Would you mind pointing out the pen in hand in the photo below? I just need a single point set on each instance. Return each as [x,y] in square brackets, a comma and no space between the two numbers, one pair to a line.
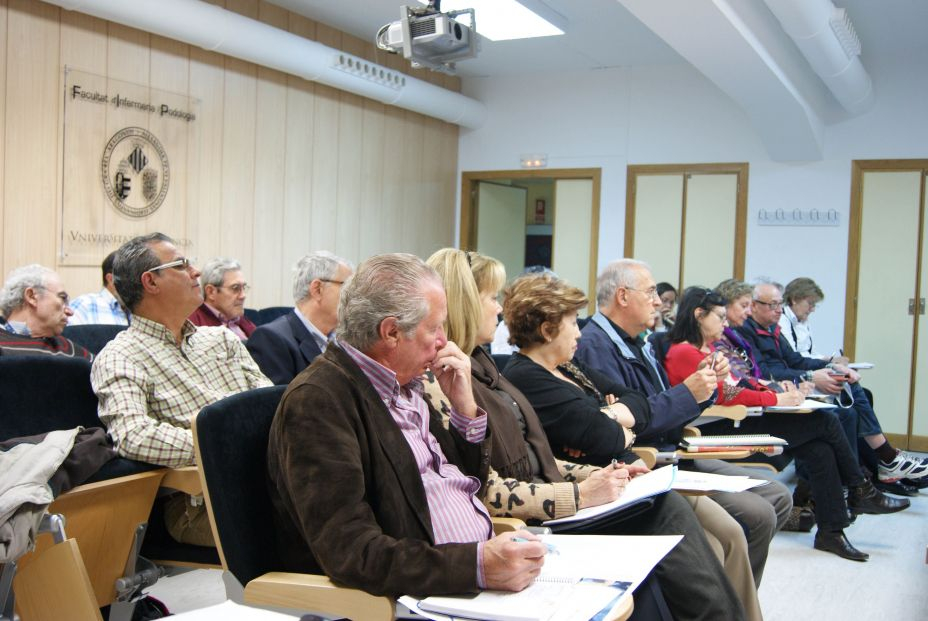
[550,548]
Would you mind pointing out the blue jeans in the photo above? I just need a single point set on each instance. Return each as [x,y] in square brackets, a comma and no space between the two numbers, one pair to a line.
[859,420]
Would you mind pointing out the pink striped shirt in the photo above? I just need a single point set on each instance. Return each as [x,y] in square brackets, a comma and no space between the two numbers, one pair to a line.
[456,514]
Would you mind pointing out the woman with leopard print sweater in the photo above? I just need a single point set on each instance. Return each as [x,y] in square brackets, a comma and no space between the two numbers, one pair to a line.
[530,484]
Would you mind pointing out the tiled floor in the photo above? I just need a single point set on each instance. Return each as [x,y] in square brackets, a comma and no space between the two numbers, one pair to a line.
[799,582]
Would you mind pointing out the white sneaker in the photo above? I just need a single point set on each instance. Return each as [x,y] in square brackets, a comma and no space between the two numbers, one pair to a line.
[904,466]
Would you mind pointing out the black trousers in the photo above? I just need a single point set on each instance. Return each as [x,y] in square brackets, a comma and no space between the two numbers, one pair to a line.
[820,447]
[690,576]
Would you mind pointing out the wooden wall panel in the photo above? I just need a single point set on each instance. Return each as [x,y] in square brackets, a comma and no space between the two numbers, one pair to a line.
[324,197]
[3,55]
[371,238]
[277,166]
[350,143]
[31,135]
[238,161]
[207,80]
[83,48]
[268,270]
[298,180]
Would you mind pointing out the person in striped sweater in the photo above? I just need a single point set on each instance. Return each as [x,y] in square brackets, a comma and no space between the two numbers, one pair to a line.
[34,309]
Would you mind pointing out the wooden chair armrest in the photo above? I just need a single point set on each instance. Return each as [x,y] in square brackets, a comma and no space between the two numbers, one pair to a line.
[691,432]
[505,525]
[714,455]
[622,610]
[731,412]
[318,594]
[647,454]
[186,479]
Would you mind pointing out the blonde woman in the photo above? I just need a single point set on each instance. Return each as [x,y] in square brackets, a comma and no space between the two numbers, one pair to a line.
[529,483]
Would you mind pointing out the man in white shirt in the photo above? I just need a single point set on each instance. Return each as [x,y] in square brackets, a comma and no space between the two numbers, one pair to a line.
[103,307]
[799,300]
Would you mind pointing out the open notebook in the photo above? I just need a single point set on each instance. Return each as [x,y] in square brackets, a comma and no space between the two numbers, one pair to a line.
[641,487]
[587,575]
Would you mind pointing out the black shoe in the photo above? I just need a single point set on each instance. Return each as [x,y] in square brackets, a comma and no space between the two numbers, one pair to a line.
[899,488]
[837,543]
[917,484]
[865,498]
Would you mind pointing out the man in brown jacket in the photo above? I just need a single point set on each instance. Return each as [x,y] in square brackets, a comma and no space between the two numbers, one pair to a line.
[367,485]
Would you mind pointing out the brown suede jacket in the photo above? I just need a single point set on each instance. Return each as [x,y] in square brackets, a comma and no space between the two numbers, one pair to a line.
[347,496]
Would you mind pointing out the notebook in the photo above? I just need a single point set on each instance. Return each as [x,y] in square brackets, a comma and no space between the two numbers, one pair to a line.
[589,573]
[759,439]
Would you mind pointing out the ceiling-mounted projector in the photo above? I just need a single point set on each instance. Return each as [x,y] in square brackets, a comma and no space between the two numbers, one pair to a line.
[429,38]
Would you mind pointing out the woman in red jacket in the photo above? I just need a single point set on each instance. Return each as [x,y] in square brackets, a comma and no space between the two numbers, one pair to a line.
[693,339]
[816,439]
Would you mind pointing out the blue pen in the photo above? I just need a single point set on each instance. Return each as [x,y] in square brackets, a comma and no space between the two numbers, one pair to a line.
[551,549]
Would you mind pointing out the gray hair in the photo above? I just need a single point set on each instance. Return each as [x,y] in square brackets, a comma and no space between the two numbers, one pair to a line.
[765,280]
[134,258]
[320,264]
[386,285]
[619,273]
[214,272]
[13,294]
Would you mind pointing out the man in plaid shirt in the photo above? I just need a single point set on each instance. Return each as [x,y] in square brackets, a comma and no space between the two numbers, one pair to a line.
[156,375]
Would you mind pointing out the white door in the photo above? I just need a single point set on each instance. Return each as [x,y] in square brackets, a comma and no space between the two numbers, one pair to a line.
[501,224]
[887,281]
[574,251]
[686,225]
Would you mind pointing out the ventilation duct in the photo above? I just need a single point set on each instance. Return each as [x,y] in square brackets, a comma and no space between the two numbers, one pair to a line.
[218,30]
[827,39]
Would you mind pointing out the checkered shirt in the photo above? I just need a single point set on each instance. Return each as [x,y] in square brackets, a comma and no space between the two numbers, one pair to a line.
[149,388]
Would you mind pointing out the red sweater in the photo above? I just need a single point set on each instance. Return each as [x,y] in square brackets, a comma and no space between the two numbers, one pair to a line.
[681,362]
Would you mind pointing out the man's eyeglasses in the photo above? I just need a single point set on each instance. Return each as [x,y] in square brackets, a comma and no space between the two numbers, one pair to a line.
[178,264]
[237,289]
[775,305]
[651,292]
[334,282]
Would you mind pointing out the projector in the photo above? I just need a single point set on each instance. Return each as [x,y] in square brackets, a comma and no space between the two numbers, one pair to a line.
[429,38]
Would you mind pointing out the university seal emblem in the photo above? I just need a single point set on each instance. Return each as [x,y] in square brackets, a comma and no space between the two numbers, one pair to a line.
[136,174]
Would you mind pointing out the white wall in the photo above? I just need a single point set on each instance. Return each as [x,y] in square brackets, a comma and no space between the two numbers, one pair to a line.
[672,114]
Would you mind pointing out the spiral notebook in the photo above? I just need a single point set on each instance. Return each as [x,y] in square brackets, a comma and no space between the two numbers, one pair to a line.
[587,574]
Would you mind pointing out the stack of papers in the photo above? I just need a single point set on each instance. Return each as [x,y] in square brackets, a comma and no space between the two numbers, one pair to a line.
[688,481]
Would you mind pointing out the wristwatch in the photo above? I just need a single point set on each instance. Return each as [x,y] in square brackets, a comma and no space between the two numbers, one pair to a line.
[807,376]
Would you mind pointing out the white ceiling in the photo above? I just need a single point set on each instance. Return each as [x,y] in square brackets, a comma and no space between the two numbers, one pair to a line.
[737,44]
[603,33]
[600,33]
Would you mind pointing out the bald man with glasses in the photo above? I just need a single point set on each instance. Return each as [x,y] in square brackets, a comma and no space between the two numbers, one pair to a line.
[153,377]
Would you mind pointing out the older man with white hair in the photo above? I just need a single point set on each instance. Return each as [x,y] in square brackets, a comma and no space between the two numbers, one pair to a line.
[287,345]
[224,292]
[626,295]
[34,309]
[366,482]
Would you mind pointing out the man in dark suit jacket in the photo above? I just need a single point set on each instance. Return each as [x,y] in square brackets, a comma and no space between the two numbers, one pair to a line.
[610,343]
[286,346]
[366,483]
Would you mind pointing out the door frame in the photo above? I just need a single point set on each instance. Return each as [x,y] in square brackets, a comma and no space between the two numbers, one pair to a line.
[468,229]
[855,233]
[741,169]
